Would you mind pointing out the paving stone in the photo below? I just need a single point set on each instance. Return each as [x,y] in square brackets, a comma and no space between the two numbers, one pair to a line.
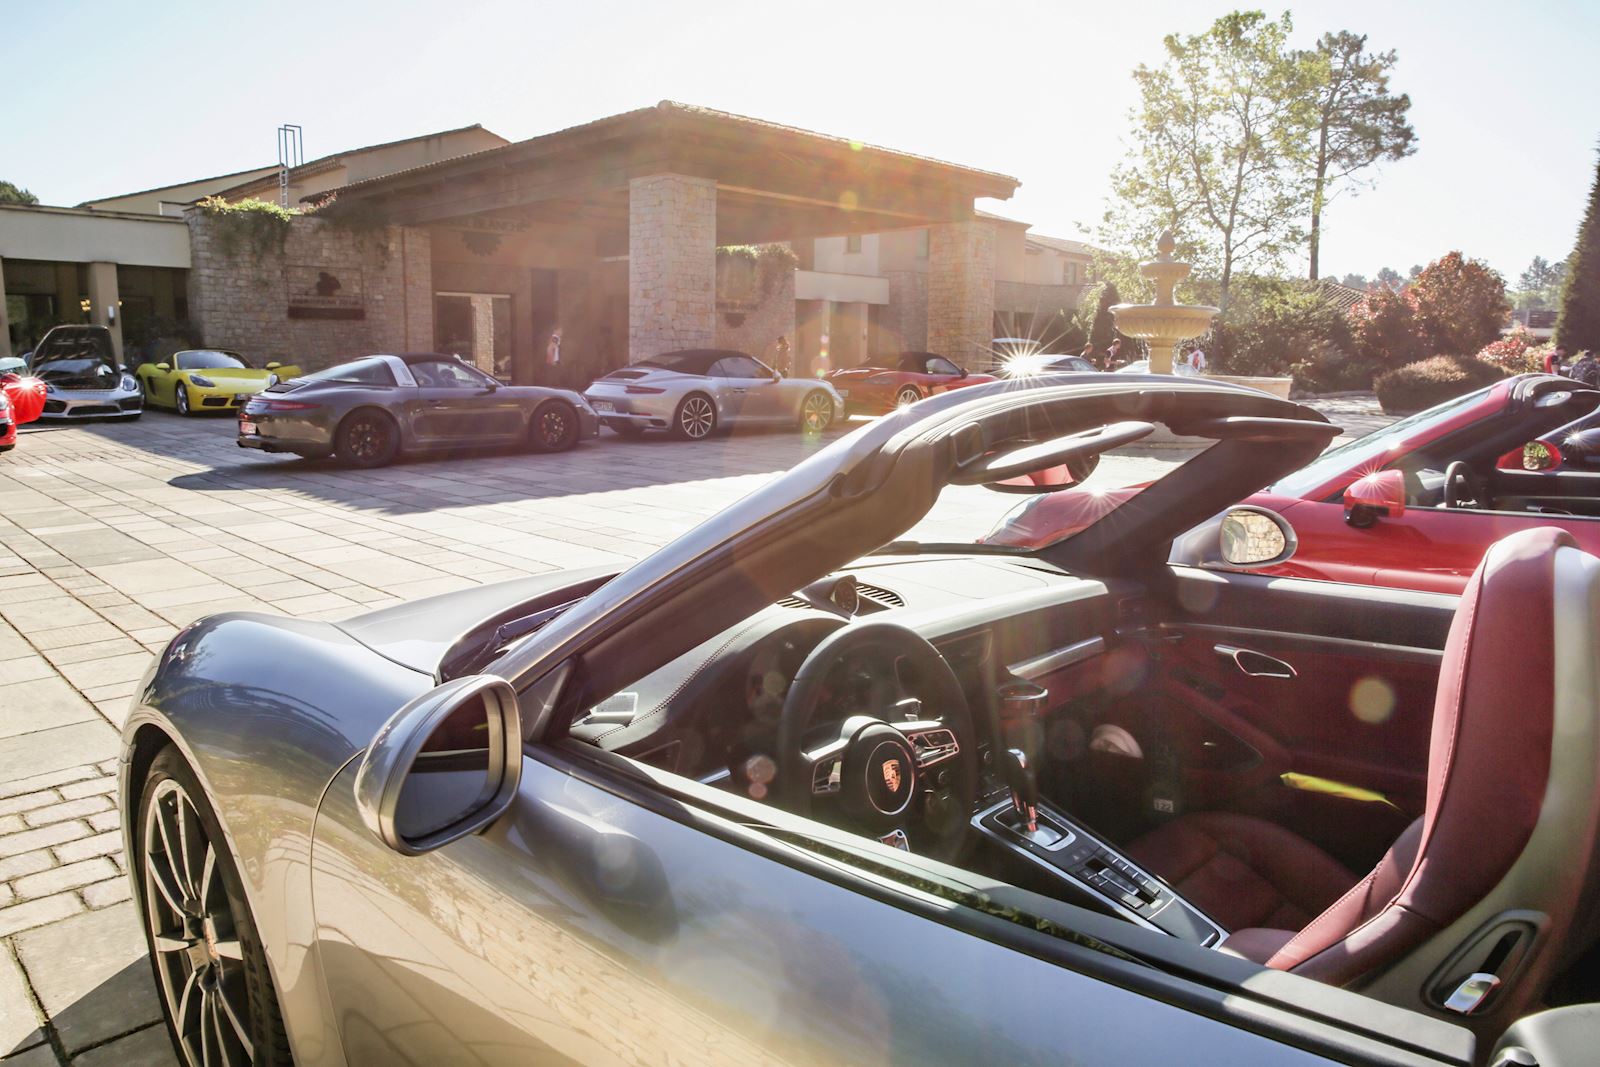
[37,1056]
[111,891]
[30,757]
[24,669]
[68,876]
[83,847]
[19,787]
[92,673]
[26,863]
[29,801]
[39,912]
[19,1019]
[64,636]
[92,787]
[40,705]
[72,809]
[44,837]
[91,975]
[150,1047]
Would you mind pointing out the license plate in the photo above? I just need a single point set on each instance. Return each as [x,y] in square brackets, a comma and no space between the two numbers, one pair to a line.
[246,426]
[604,406]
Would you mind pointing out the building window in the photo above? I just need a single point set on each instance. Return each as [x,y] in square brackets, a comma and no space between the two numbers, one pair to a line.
[922,244]
[852,243]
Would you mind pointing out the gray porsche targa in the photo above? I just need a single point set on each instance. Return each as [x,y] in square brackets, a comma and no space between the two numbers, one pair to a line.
[801,788]
[368,411]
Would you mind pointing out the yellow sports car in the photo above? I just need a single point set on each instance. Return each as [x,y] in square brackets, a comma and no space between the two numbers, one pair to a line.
[207,379]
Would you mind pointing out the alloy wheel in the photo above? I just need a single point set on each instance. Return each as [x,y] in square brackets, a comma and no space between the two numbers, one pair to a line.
[906,396]
[198,955]
[180,399]
[696,417]
[816,414]
[553,428]
[367,439]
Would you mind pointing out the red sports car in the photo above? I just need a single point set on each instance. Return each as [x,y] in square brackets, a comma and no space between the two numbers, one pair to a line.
[21,400]
[874,390]
[1417,503]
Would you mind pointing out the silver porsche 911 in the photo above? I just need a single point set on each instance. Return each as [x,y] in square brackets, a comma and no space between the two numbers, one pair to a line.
[693,392]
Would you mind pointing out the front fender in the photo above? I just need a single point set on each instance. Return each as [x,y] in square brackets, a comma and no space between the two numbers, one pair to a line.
[266,710]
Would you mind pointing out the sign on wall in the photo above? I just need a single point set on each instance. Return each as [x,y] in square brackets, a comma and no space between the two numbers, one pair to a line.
[317,292]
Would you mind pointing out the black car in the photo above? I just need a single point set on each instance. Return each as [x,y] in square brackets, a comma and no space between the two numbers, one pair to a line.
[368,411]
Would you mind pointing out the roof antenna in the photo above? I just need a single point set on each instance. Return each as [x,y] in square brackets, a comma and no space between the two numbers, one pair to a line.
[291,154]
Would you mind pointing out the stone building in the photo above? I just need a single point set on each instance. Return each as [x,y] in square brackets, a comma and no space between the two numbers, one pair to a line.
[557,258]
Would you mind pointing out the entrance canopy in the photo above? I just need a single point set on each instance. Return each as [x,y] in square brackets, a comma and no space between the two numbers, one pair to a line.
[773,183]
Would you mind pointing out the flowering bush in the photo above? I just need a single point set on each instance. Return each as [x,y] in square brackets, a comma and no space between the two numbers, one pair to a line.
[1454,305]
[1514,354]
[1384,324]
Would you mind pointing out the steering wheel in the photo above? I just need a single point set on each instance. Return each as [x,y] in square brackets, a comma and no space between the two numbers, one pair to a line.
[904,771]
[1462,486]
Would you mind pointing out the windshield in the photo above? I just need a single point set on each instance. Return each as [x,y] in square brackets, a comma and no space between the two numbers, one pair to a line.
[1377,449]
[372,370]
[211,361]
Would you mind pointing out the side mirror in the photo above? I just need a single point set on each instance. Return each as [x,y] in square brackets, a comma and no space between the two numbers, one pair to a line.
[1252,537]
[961,372]
[163,367]
[1538,456]
[444,766]
[1382,493]
[274,365]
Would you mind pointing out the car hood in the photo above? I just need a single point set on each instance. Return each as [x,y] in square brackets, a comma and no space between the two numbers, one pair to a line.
[422,634]
[83,372]
[246,374]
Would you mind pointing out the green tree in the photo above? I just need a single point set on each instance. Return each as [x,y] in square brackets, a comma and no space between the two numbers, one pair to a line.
[15,194]
[1357,122]
[1355,281]
[1390,278]
[1103,327]
[1540,285]
[1218,149]
[1578,326]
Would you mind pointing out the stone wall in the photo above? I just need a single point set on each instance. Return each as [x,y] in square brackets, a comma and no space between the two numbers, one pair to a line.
[672,237]
[756,329]
[1034,298]
[239,291]
[903,321]
[961,291]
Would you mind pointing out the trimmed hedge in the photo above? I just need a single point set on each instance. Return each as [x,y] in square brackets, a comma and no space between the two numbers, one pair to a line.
[1432,381]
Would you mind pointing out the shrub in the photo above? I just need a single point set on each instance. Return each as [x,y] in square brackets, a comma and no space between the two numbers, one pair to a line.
[1461,304]
[1514,354]
[1384,326]
[1275,327]
[1327,368]
[1432,381]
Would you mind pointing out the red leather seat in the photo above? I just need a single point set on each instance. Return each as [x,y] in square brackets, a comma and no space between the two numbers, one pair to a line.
[1510,821]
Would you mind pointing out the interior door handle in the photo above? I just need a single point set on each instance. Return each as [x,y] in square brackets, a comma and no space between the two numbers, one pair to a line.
[1255,664]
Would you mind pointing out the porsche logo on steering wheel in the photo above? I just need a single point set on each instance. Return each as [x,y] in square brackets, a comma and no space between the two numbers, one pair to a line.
[891,774]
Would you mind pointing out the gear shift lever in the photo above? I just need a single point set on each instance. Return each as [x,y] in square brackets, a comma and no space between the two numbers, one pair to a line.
[1024,787]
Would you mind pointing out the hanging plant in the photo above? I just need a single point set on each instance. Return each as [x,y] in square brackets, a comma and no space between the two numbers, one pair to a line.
[261,226]
[748,274]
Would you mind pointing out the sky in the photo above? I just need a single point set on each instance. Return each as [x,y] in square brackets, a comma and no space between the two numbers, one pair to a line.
[1505,101]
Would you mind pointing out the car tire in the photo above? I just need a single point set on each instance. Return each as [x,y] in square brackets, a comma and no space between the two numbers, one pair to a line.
[908,395]
[232,986]
[695,419]
[366,439]
[816,412]
[180,399]
[553,428]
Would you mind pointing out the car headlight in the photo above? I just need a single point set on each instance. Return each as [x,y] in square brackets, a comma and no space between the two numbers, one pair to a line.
[272,379]
[129,382]
[202,381]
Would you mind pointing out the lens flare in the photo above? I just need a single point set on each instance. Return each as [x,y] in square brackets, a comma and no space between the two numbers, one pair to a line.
[1372,700]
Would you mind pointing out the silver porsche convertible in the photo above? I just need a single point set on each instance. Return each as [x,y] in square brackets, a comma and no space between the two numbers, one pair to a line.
[804,788]
[692,393]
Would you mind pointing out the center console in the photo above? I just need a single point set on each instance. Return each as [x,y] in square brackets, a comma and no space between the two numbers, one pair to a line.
[1011,815]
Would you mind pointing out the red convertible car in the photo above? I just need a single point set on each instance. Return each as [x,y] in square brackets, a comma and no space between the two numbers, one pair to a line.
[1417,503]
[874,390]
[21,400]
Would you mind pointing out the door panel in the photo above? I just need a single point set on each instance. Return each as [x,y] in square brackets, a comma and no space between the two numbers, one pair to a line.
[584,928]
[1350,729]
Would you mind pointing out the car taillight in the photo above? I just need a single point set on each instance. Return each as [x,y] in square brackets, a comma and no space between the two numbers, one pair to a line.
[260,406]
[641,390]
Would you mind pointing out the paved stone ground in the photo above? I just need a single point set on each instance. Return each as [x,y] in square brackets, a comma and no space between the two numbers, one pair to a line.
[114,536]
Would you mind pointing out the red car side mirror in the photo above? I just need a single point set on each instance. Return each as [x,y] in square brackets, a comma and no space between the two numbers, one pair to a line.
[1380,493]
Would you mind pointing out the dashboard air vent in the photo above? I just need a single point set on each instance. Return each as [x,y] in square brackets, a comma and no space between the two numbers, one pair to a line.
[886,597]
[792,601]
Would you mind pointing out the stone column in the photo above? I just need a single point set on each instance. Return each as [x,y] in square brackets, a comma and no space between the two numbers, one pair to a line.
[672,264]
[961,291]
[5,323]
[103,297]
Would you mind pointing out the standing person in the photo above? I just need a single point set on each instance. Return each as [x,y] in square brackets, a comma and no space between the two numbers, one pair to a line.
[1197,360]
[1088,352]
[1113,354]
[1586,371]
[782,357]
[552,358]
[1555,360]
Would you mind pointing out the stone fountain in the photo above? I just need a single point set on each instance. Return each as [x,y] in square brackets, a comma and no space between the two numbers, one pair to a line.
[1166,324]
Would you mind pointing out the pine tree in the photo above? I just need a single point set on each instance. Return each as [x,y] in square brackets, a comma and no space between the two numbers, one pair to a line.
[1579,325]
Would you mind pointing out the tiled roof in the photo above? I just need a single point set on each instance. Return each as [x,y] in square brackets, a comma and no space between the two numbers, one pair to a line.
[1061,244]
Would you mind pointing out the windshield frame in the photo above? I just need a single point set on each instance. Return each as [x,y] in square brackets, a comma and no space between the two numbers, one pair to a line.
[239,362]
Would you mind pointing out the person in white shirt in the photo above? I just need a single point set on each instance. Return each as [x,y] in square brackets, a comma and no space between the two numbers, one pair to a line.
[1197,360]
